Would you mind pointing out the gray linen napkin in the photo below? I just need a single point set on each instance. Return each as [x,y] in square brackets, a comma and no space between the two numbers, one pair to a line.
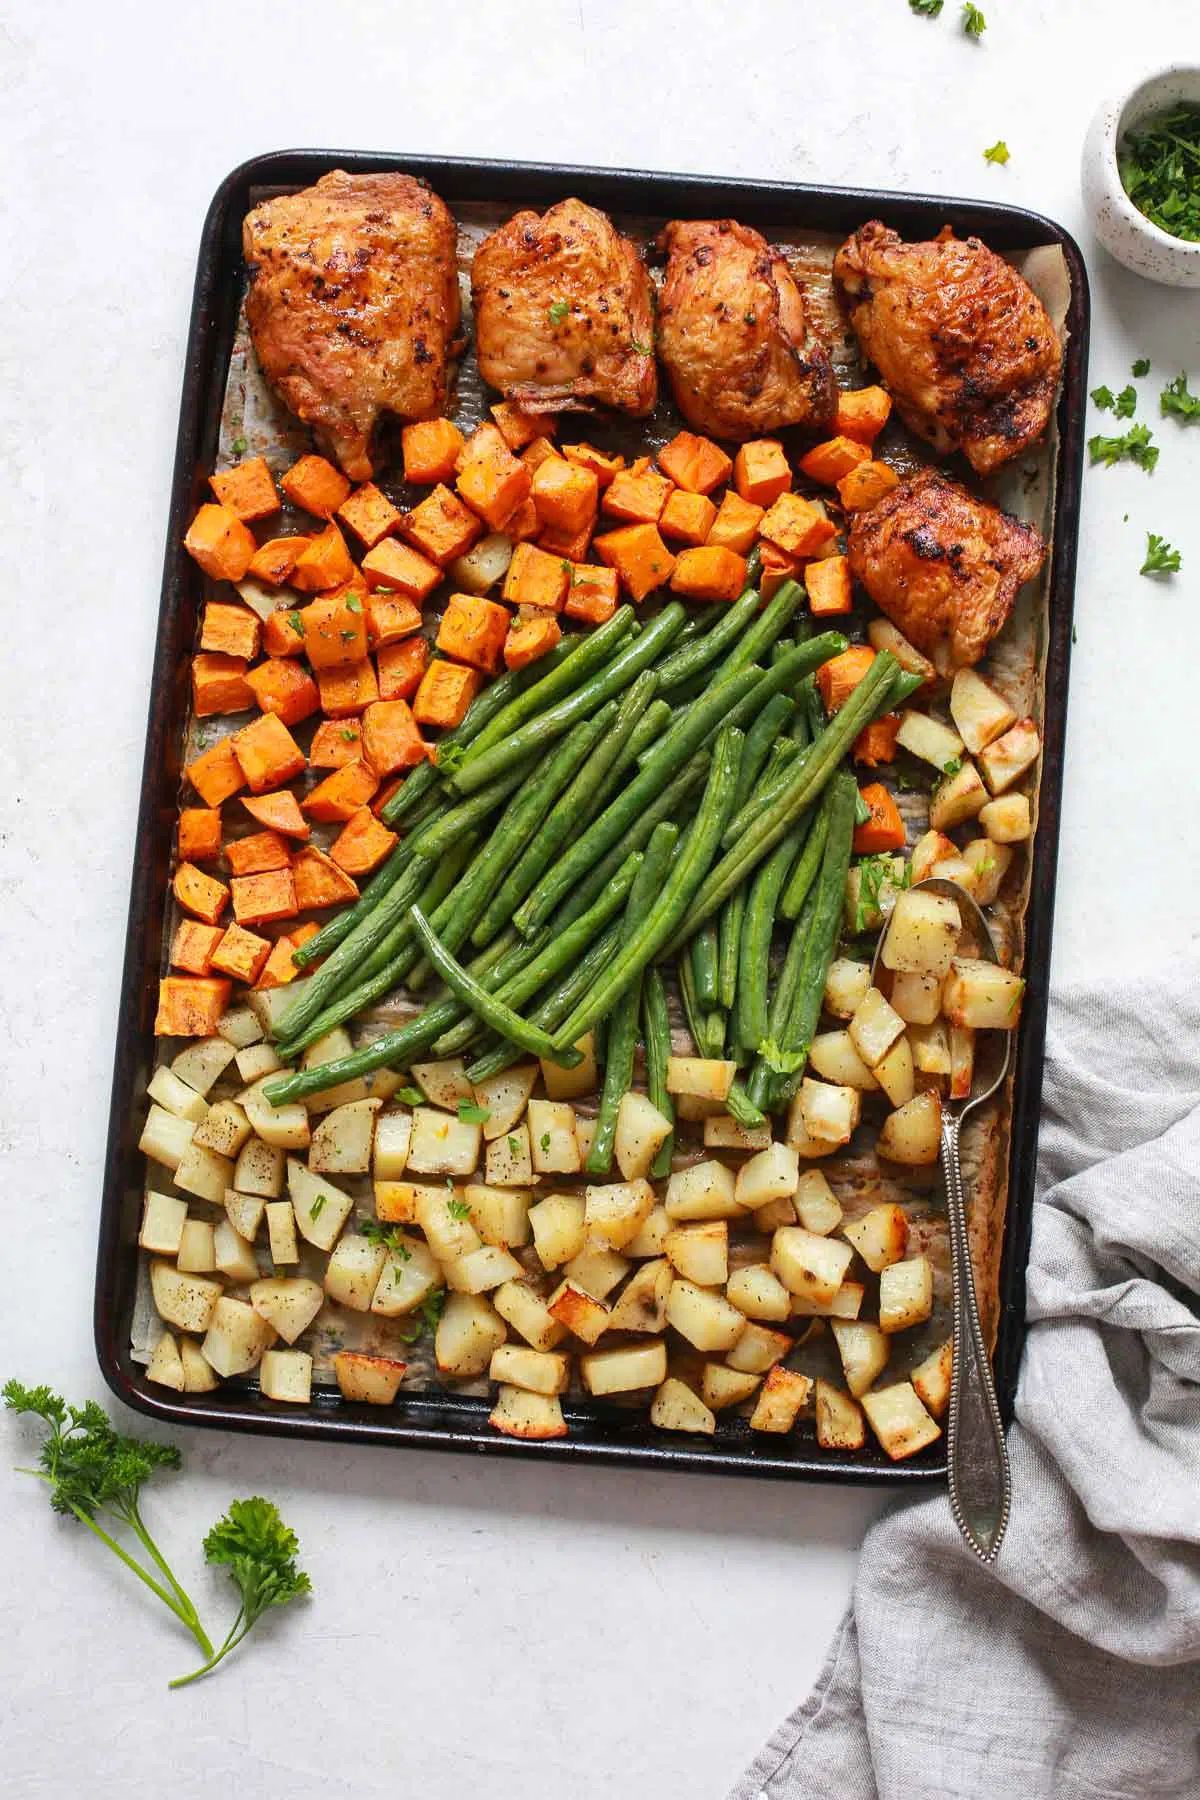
[1073,1667]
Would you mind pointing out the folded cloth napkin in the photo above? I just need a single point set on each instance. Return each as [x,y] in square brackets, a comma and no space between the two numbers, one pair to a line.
[1072,1666]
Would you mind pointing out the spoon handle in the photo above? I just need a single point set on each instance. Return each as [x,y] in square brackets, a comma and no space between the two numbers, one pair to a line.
[978,1456]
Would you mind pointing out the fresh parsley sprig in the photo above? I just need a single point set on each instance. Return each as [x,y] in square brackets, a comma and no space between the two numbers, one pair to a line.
[259,1551]
[1177,402]
[1135,446]
[973,21]
[1161,559]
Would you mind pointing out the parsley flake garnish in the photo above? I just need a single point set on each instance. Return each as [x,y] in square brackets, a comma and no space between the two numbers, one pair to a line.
[926,9]
[410,1096]
[1136,446]
[458,1209]
[1141,366]
[240,446]
[973,21]
[998,152]
[1176,402]
[544,1140]
[1126,402]
[1161,559]
[558,311]
[1103,398]
[470,1114]
[318,1206]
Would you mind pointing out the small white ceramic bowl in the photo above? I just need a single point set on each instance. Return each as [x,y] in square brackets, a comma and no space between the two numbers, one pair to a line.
[1125,232]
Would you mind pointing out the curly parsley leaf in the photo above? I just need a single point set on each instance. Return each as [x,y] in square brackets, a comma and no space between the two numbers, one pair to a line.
[470,1114]
[410,1096]
[1141,366]
[1175,401]
[558,311]
[1161,559]
[430,1310]
[390,1236]
[259,1551]
[1125,403]
[973,21]
[1136,446]
[927,9]
[458,1209]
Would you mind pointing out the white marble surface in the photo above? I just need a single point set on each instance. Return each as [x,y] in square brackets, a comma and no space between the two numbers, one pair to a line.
[475,1626]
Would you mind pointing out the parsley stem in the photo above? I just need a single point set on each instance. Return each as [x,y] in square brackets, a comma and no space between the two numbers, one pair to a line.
[214,1657]
[189,1614]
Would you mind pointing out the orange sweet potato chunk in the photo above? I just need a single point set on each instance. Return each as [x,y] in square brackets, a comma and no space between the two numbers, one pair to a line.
[241,954]
[401,569]
[430,449]
[391,740]
[369,514]
[193,945]
[519,428]
[688,516]
[219,685]
[246,489]
[531,635]
[695,463]
[568,546]
[777,567]
[282,687]
[441,527]
[876,742]
[256,854]
[258,899]
[603,466]
[492,481]
[191,1005]
[565,495]
[838,678]
[324,563]
[760,471]
[279,968]
[315,485]
[401,667]
[274,561]
[829,462]
[277,812]
[283,632]
[216,774]
[446,691]
[639,556]
[736,524]
[709,573]
[798,526]
[638,497]
[865,484]
[362,844]
[319,881]
[829,585]
[346,692]
[390,617]
[862,413]
[220,543]
[199,893]
[592,595]
[336,742]
[524,523]
[230,630]
[335,630]
[199,833]
[884,830]
[473,630]
[268,753]
[340,795]
[535,578]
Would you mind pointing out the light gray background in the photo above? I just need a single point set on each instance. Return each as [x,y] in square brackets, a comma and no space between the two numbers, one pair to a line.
[529,1633]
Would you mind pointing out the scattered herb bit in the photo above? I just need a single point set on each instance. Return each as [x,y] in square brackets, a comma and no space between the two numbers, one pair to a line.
[347,736]
[348,636]
[1160,170]
[240,446]
[566,565]
[353,603]
[1126,402]
[296,623]
[390,1236]
[449,758]
[1161,559]
[998,152]
[318,1206]
[782,1062]
[544,1140]
[470,1114]
[458,1209]
[557,311]
[514,1146]
[640,349]
[953,767]
[973,21]
[1141,366]
[259,1551]
[410,1096]
[926,9]
[430,1309]
[1074,634]
[750,318]
[1175,400]
[874,871]
[1103,398]
[1136,446]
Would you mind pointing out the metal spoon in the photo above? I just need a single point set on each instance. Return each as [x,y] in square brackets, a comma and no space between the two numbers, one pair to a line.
[980,1487]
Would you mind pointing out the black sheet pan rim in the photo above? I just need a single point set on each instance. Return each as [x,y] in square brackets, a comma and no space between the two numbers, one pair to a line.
[244,1410]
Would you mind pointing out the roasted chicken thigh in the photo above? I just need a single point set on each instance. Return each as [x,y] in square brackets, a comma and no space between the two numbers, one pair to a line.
[564,313]
[944,566]
[353,305]
[734,336]
[960,338]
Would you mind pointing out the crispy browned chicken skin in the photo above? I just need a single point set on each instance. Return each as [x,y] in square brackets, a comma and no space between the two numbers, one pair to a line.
[960,338]
[734,337]
[564,313]
[354,304]
[944,566]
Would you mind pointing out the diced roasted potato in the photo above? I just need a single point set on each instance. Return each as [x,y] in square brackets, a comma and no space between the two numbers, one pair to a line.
[809,1266]
[931,1378]
[198,1376]
[642,1302]
[700,1252]
[409,1274]
[285,1127]
[518,1413]
[321,1209]
[833,1057]
[867,907]
[693,1109]
[281,1232]
[899,1421]
[874,1027]
[807,1148]
[913,1133]
[927,738]
[188,1301]
[202,1063]
[239,1027]
[772,1174]
[782,1395]
[923,933]
[721,1386]
[930,1046]
[342,1142]
[962,1061]
[569,1084]
[846,1304]
[444,1084]
[165,1367]
[839,1419]
[537,1371]
[829,1114]
[707,1078]
[880,1236]
[864,1351]
[353,1270]
[932,848]
[259,1170]
[225,1129]
[616,1213]
[557,1223]
[775,1213]
[552,1141]
[468,1332]
[582,1313]
[442,1144]
[483,566]
[165,1138]
[917,998]
[722,1132]
[197,1253]
[677,1408]
[286,1375]
[758,1349]
[236,1339]
[1007,759]
[163,1220]
[393,1134]
[640,1135]
[845,986]
[756,1291]
[288,1304]
[523,1308]
[233,1254]
[445,1218]
[204,1173]
[507,1162]
[622,1371]
[706,1190]
[479,1271]
[500,1215]
[816,1204]
[894,1072]
[506,1096]
[596,1269]
[257,1060]
[1007,819]
[651,1235]
[981,995]
[956,798]
[176,1097]
[978,711]
[370,1380]
[989,863]
[707,1320]
[905,1294]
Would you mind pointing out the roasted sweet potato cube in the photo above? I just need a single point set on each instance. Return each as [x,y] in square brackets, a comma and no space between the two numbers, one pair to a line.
[524,524]
[319,881]
[219,685]
[369,514]
[216,774]
[268,753]
[391,617]
[535,578]
[492,481]
[709,573]
[199,893]
[441,527]
[282,687]
[246,489]
[639,556]
[736,524]
[190,1005]
[829,585]
[324,562]
[568,546]
[473,631]
[336,742]
[565,494]
[430,449]
[401,667]
[829,462]
[362,844]
[695,463]
[533,633]
[220,543]
[796,525]
[258,853]
[688,517]
[519,428]
[315,485]
[592,594]
[277,812]
[279,968]
[401,570]
[199,833]
[884,830]
[876,742]
[335,631]
[257,899]
[838,678]
[274,561]
[639,498]
[340,795]
[193,945]
[283,632]
[230,630]
[446,691]
[346,692]
[760,471]
[603,466]
[777,567]
[865,484]
[862,413]
[241,954]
